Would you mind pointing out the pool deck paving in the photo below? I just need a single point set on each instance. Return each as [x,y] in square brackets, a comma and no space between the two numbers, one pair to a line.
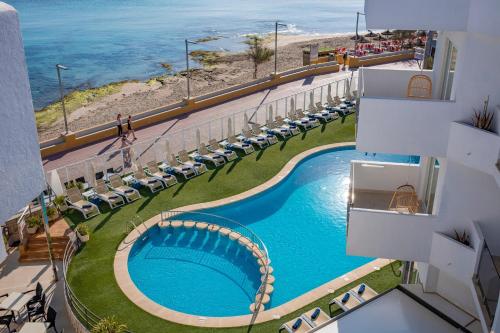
[204,115]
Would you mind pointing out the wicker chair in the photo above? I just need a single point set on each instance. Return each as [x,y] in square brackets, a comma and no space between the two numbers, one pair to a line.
[405,200]
[420,86]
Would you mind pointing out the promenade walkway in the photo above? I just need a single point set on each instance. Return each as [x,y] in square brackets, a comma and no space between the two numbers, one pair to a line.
[193,118]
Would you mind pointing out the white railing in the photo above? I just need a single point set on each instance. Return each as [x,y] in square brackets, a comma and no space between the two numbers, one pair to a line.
[121,160]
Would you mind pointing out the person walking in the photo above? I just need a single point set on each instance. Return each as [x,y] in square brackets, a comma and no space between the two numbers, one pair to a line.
[119,126]
[345,61]
[130,129]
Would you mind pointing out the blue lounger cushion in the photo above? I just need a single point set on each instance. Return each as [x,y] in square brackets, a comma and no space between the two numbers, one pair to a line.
[129,191]
[186,169]
[315,314]
[261,139]
[361,289]
[113,197]
[197,164]
[345,298]
[245,145]
[297,324]
[151,181]
[87,206]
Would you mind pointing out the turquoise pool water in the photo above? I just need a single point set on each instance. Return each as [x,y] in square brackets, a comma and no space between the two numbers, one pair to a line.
[302,222]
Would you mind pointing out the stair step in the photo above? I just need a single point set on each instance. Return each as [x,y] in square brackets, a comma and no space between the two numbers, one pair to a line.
[56,246]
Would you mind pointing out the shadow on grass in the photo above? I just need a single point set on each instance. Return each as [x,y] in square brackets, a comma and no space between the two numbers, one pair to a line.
[214,174]
[149,197]
[233,165]
[323,127]
[259,155]
[304,134]
[106,219]
[283,145]
[179,189]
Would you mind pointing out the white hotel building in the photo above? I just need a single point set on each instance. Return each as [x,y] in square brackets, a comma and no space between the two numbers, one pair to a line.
[458,178]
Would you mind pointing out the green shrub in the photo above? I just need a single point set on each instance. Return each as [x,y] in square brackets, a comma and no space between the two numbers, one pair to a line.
[33,221]
[109,325]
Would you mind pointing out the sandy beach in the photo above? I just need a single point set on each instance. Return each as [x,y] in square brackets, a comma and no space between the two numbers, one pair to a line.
[230,69]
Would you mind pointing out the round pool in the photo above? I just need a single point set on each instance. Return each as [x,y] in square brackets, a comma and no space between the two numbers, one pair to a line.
[301,220]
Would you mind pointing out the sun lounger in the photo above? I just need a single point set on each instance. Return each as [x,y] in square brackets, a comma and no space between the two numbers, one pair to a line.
[213,147]
[75,200]
[316,317]
[152,183]
[345,301]
[259,132]
[319,113]
[113,199]
[272,127]
[116,185]
[173,165]
[363,292]
[154,171]
[248,137]
[293,128]
[314,122]
[198,167]
[232,143]
[204,155]
[297,325]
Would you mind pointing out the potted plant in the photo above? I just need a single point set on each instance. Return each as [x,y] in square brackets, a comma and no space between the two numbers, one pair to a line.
[83,232]
[483,119]
[109,325]
[33,222]
[463,238]
[52,213]
[60,202]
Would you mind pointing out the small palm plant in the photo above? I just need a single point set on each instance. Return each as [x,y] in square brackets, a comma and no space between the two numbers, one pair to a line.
[109,325]
[483,119]
[257,52]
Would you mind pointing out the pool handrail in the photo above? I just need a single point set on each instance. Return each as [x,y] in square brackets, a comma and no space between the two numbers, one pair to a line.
[171,214]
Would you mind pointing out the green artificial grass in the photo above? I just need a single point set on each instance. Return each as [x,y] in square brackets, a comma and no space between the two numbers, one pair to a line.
[91,273]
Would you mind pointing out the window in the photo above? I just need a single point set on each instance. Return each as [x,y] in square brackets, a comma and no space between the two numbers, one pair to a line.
[449,71]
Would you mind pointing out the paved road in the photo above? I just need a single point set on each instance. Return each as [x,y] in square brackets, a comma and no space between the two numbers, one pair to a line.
[202,116]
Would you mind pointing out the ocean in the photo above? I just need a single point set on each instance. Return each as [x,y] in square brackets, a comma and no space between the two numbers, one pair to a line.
[114,40]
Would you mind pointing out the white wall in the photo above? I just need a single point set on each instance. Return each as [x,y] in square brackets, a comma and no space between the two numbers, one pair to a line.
[383,176]
[389,235]
[455,291]
[22,176]
[415,127]
[448,15]
[388,83]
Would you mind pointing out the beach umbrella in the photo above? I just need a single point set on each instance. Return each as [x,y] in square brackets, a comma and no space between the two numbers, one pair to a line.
[422,33]
[371,34]
[292,105]
[198,138]
[89,173]
[55,182]
[229,127]
[167,147]
[387,33]
[246,127]
[379,38]
[159,150]
[270,110]
[311,100]
[329,96]
[348,89]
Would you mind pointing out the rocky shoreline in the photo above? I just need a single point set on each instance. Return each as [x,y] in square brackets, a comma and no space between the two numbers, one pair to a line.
[220,71]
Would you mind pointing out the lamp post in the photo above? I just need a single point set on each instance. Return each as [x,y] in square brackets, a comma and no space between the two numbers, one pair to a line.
[188,74]
[357,35]
[61,92]
[276,25]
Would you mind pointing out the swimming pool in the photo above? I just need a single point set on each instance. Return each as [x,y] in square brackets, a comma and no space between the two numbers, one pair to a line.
[301,220]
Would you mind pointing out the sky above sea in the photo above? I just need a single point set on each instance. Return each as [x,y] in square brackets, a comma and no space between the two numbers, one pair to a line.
[113,40]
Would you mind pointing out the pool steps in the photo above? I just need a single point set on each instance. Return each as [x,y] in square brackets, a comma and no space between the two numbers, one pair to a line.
[262,298]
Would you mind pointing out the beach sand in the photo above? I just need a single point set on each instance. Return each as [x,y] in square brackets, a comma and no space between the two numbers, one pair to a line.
[232,69]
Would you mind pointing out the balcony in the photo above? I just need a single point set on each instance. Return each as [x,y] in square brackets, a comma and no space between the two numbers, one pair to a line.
[408,126]
[373,229]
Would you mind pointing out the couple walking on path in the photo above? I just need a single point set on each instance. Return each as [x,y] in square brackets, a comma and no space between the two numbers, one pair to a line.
[130,128]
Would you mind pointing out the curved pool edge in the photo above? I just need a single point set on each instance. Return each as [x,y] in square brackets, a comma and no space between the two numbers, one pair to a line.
[130,290]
